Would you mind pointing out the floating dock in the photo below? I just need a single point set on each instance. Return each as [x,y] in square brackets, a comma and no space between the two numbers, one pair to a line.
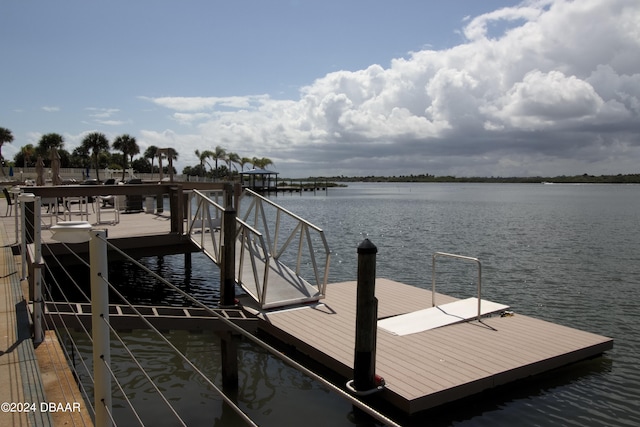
[426,369]
[422,368]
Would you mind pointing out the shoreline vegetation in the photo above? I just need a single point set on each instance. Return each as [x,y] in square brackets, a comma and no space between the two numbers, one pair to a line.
[562,179]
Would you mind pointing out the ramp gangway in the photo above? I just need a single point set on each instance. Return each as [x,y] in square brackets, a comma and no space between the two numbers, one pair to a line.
[268,240]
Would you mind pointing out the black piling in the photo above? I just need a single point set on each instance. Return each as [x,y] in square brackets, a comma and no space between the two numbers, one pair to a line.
[229,359]
[364,365]
[227,273]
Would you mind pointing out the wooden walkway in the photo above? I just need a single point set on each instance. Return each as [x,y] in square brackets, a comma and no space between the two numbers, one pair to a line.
[426,369]
[35,374]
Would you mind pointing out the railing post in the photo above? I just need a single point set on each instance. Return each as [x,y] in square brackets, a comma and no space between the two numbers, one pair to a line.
[364,364]
[15,193]
[100,327]
[38,331]
[26,202]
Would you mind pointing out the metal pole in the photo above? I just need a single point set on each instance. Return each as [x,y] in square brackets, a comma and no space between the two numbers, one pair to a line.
[100,326]
[364,365]
[38,332]
[15,195]
[24,199]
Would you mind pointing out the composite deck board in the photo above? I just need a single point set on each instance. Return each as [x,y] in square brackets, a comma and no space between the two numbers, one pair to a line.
[432,367]
[137,224]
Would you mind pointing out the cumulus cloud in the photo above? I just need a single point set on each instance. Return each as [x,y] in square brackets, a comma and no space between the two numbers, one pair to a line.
[535,89]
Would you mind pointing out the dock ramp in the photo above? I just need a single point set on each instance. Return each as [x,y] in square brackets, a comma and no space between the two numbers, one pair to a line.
[281,259]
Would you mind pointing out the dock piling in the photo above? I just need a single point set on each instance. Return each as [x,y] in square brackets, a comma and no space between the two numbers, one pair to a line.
[364,365]
[227,271]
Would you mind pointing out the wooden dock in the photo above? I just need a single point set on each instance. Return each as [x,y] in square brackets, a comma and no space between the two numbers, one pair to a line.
[427,369]
[422,370]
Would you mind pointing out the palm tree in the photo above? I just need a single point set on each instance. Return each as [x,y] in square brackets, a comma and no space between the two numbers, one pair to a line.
[261,163]
[150,153]
[127,144]
[170,154]
[243,161]
[46,143]
[203,156]
[5,136]
[233,158]
[218,154]
[23,158]
[96,143]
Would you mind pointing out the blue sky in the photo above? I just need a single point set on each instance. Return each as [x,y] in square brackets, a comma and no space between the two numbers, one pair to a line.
[351,87]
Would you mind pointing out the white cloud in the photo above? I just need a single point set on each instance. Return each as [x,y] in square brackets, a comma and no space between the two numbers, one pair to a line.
[112,122]
[199,103]
[543,100]
[50,109]
[102,113]
[536,89]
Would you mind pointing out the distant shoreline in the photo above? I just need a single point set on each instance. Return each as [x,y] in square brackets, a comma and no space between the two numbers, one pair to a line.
[563,179]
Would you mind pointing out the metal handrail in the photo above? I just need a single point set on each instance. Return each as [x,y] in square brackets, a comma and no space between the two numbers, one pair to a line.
[244,233]
[201,220]
[461,257]
[302,231]
[252,242]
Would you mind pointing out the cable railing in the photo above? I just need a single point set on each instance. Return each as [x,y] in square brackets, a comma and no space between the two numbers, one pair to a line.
[85,369]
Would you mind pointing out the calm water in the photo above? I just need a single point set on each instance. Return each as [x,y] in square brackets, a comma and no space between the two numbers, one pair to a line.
[563,253]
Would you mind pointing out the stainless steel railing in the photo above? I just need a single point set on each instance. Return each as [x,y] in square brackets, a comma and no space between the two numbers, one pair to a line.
[305,240]
[460,257]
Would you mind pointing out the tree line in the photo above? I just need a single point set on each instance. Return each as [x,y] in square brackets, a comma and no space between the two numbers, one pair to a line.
[221,163]
[559,179]
[95,152]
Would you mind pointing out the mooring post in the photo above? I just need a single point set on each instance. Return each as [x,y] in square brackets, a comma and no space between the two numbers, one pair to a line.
[229,356]
[364,364]
[175,207]
[227,273]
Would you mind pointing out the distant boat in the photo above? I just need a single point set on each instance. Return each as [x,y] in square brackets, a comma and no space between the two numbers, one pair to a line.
[547,182]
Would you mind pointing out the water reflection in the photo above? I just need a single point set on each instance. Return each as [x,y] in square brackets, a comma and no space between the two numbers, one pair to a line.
[270,392]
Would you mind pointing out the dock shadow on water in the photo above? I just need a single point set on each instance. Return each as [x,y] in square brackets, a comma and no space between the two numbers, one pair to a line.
[270,392]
